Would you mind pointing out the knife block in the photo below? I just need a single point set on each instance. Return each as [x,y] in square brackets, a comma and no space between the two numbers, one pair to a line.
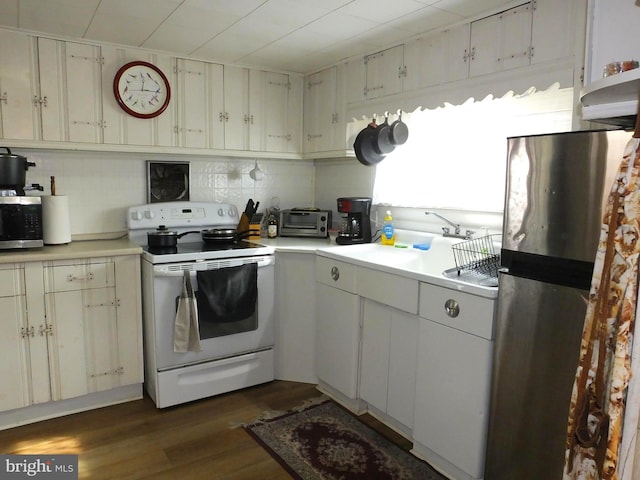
[255,223]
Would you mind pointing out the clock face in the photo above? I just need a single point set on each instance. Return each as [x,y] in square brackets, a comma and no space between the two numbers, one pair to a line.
[141,89]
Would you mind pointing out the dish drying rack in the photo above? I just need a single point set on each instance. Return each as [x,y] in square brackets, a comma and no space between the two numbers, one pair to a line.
[477,258]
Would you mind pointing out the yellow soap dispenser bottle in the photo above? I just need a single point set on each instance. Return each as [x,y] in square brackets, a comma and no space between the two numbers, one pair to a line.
[388,236]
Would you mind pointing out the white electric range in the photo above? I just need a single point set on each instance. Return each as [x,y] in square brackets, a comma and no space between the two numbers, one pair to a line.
[236,352]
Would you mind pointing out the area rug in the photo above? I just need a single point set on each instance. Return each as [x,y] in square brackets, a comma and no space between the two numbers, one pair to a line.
[325,442]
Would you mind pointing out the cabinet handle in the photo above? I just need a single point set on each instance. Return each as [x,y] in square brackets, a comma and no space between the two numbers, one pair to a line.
[46,329]
[80,278]
[28,332]
[452,308]
[224,117]
[3,98]
[335,273]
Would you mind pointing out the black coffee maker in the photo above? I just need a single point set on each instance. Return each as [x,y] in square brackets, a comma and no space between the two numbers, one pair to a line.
[355,226]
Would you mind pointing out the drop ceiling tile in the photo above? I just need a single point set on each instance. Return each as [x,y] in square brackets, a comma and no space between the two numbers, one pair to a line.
[65,17]
[177,39]
[290,14]
[123,31]
[470,9]
[378,11]
[340,26]
[204,19]
[239,8]
[425,20]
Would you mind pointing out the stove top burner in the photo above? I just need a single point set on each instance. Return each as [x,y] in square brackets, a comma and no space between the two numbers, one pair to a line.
[197,247]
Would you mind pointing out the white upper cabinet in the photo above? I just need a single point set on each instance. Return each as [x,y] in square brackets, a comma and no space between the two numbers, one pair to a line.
[82,72]
[458,53]
[501,42]
[192,98]
[385,72]
[124,129]
[355,80]
[236,108]
[553,29]
[324,122]
[254,111]
[18,86]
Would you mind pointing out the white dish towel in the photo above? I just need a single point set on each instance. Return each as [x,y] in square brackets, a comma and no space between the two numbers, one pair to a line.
[186,335]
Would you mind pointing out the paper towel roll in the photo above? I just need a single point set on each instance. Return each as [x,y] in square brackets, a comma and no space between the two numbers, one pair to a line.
[56,224]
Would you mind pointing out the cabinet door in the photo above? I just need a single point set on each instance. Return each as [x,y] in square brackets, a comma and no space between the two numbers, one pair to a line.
[501,42]
[192,102]
[294,114]
[129,314]
[553,30]
[67,353]
[219,117]
[425,62]
[125,129]
[295,349]
[337,339]
[403,361]
[355,74]
[257,111]
[83,93]
[236,103]
[485,46]
[14,368]
[457,53]
[17,87]
[320,114]
[515,46]
[101,339]
[452,390]
[384,72]
[53,97]
[374,370]
[272,125]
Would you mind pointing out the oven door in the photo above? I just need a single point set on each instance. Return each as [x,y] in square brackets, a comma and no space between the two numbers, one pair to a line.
[217,341]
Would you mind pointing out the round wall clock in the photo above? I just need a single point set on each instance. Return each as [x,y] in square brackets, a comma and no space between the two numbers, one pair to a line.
[141,89]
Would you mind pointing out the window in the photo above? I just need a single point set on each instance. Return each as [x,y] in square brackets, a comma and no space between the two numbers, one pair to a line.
[456,154]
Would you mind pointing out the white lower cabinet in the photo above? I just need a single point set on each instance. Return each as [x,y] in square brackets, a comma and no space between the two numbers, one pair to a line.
[295,350]
[388,362]
[74,329]
[337,327]
[453,381]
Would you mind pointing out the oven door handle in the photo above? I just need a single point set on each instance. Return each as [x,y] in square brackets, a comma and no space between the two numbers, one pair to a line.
[163,271]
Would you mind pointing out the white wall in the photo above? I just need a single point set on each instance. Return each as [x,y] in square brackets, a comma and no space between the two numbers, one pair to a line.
[102,185]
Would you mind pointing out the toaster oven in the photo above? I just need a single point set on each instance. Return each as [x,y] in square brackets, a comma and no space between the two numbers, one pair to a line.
[305,222]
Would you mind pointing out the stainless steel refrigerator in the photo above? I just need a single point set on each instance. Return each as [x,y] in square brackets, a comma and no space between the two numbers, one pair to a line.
[555,191]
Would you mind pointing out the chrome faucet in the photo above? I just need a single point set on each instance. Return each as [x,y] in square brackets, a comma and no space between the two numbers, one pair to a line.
[446,231]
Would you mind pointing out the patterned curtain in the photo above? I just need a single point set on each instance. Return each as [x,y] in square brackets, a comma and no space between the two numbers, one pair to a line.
[596,412]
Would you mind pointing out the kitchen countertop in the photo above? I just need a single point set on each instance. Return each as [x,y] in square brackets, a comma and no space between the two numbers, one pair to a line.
[425,266]
[73,250]
[297,244]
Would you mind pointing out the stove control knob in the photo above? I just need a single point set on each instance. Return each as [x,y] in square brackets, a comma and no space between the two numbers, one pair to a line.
[232,213]
[221,212]
[149,214]
[136,215]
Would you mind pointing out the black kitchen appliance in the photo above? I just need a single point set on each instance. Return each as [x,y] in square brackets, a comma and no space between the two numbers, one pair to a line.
[20,216]
[355,226]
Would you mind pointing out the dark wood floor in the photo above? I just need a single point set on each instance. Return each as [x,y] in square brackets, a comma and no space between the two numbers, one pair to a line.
[197,440]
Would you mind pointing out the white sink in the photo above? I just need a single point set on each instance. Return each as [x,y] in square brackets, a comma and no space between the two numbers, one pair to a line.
[424,265]
[434,261]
